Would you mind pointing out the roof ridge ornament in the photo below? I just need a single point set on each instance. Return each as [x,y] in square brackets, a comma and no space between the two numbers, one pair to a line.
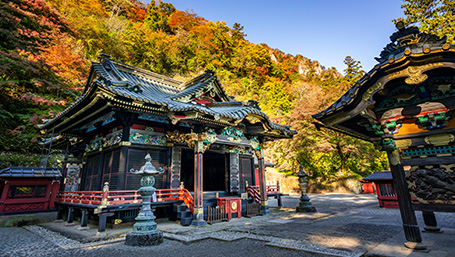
[408,36]
[207,73]
[132,86]
[103,57]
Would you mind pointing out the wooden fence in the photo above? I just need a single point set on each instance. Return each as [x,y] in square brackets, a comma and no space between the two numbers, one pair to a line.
[253,209]
[216,214]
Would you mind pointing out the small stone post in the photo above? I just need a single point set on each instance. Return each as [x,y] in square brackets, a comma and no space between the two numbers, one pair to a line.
[278,196]
[430,222]
[304,204]
[145,232]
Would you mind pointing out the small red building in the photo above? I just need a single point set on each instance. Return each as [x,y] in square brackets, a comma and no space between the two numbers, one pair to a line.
[383,185]
[25,189]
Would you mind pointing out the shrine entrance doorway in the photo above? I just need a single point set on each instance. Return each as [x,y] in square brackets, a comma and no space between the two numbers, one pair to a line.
[215,170]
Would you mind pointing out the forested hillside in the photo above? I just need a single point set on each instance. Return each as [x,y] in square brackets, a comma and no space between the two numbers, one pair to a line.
[46,48]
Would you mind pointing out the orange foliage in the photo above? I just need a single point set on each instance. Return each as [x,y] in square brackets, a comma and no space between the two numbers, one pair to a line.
[136,14]
[184,20]
[65,57]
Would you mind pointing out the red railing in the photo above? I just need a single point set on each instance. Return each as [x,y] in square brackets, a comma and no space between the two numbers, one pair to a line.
[84,197]
[254,191]
[118,197]
[187,198]
[272,189]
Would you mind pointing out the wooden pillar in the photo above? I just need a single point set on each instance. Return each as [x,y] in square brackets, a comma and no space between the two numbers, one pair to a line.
[59,213]
[262,186]
[176,158]
[70,217]
[54,192]
[4,195]
[48,194]
[102,221]
[278,196]
[234,173]
[430,222]
[84,170]
[127,120]
[198,184]
[121,184]
[84,218]
[408,217]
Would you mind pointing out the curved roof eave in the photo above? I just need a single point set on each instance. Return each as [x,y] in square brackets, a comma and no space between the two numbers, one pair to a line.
[353,102]
[89,93]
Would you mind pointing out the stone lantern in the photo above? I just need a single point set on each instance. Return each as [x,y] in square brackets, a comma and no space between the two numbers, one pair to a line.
[145,232]
[304,204]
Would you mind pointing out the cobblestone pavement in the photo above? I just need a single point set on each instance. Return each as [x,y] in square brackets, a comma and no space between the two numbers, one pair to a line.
[345,225]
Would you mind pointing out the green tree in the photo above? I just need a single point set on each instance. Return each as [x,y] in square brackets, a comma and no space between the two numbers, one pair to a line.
[237,32]
[353,71]
[435,16]
[158,16]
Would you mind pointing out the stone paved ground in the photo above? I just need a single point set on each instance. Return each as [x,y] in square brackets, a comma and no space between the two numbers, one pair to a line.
[345,225]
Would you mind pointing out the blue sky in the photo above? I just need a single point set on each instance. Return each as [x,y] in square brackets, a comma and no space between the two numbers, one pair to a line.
[322,30]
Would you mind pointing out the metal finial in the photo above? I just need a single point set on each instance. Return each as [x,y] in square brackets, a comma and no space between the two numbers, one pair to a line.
[148,167]
[400,25]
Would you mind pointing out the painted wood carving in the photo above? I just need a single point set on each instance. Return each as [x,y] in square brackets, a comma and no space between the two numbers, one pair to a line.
[432,184]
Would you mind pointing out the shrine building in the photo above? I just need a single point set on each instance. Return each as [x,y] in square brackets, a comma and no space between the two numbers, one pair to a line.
[405,105]
[203,139]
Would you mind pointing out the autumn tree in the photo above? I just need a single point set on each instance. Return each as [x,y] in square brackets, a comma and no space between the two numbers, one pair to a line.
[432,16]
[184,21]
[35,80]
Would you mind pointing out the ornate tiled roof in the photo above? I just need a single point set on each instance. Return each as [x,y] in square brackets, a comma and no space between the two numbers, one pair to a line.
[378,175]
[30,172]
[135,88]
[407,43]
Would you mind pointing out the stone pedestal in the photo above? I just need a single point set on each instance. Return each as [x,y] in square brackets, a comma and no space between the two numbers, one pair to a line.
[304,204]
[430,222]
[198,222]
[145,232]
[149,239]
[265,208]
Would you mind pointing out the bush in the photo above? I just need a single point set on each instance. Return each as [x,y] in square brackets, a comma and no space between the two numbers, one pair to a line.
[19,221]
[8,159]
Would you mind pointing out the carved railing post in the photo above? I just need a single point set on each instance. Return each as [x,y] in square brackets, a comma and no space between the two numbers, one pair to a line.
[105,196]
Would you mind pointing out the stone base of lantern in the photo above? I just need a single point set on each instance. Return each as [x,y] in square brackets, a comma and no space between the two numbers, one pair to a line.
[149,239]
[305,209]
[305,205]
